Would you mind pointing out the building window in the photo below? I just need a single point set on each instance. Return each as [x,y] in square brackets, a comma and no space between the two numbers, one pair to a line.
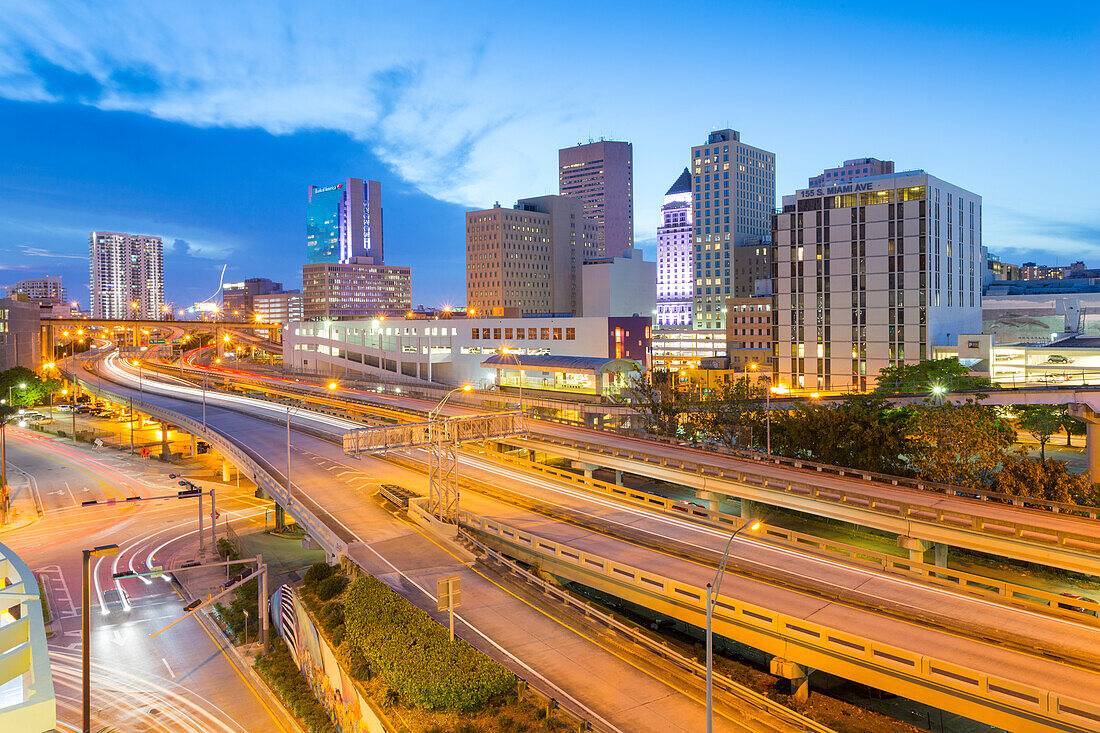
[570,334]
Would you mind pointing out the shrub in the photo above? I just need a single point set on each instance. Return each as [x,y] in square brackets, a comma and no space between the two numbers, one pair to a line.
[331,587]
[414,655]
[317,572]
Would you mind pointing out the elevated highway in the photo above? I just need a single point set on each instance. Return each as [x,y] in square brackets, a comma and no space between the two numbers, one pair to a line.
[928,518]
[895,649]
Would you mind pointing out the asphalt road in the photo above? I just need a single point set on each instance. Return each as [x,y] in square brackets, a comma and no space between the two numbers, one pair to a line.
[985,655]
[182,680]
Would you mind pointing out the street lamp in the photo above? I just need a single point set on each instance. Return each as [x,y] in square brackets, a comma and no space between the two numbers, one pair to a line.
[938,391]
[86,628]
[712,598]
[22,387]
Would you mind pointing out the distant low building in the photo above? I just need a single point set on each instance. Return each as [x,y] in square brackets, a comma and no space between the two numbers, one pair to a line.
[280,307]
[20,338]
[237,298]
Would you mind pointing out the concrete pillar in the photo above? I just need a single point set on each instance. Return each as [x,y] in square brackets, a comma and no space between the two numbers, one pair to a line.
[227,471]
[618,478]
[165,448]
[941,555]
[280,518]
[588,468]
[918,549]
[798,675]
[194,446]
[748,510]
[1092,448]
[707,498]
[219,339]
[135,333]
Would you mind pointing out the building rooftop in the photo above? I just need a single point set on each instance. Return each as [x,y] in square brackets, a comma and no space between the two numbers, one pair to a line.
[682,184]
[593,364]
[1044,287]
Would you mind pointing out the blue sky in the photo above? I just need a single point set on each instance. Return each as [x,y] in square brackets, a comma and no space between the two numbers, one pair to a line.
[204,122]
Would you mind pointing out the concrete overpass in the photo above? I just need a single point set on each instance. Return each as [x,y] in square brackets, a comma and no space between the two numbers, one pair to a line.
[982,679]
[927,517]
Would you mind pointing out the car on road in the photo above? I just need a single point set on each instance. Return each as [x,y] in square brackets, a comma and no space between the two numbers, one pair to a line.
[1077,608]
[687,505]
[115,600]
[1058,359]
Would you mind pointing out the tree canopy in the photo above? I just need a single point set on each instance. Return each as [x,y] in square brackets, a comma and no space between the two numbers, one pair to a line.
[862,431]
[962,444]
[947,374]
[25,387]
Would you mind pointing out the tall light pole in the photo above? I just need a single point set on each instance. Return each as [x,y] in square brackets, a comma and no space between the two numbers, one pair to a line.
[86,629]
[712,598]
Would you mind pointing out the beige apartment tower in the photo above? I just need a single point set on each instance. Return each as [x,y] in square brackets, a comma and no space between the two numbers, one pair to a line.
[127,275]
[528,257]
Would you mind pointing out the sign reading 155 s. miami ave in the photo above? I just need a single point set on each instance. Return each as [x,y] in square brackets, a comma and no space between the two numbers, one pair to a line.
[834,190]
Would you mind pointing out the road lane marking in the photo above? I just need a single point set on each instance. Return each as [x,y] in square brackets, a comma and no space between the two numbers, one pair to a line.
[169,667]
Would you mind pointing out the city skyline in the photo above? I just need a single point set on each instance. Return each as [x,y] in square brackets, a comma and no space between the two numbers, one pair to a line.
[125,140]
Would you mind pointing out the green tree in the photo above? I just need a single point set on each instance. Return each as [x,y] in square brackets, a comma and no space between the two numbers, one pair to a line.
[659,404]
[862,431]
[1042,421]
[922,376]
[733,413]
[1048,480]
[35,390]
[962,444]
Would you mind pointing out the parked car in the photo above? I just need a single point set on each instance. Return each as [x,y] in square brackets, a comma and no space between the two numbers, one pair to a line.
[1058,359]
[62,408]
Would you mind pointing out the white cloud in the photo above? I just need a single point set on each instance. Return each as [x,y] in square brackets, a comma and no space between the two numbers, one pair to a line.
[425,102]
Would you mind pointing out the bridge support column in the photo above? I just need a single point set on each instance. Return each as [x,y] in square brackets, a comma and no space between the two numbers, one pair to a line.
[194,446]
[165,448]
[748,509]
[588,468]
[930,553]
[136,334]
[219,339]
[280,518]
[618,478]
[709,499]
[798,675]
[1092,448]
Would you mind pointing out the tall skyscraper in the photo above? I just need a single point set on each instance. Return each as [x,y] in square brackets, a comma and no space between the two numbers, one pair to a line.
[344,221]
[528,257]
[127,275]
[852,169]
[733,200]
[601,175]
[674,261]
[873,273]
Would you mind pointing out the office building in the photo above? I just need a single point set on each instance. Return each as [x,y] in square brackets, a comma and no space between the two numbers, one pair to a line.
[127,275]
[749,334]
[237,298]
[356,289]
[343,221]
[674,261]
[529,257]
[873,273]
[20,339]
[618,286]
[733,198]
[601,175]
[278,307]
[562,351]
[46,290]
[852,169]
[1032,271]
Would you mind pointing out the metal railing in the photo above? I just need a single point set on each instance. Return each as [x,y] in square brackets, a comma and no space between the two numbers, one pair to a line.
[809,643]
[1082,610]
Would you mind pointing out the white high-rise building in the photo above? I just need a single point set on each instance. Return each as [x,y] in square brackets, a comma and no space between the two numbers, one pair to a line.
[674,260]
[873,273]
[127,275]
[733,199]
